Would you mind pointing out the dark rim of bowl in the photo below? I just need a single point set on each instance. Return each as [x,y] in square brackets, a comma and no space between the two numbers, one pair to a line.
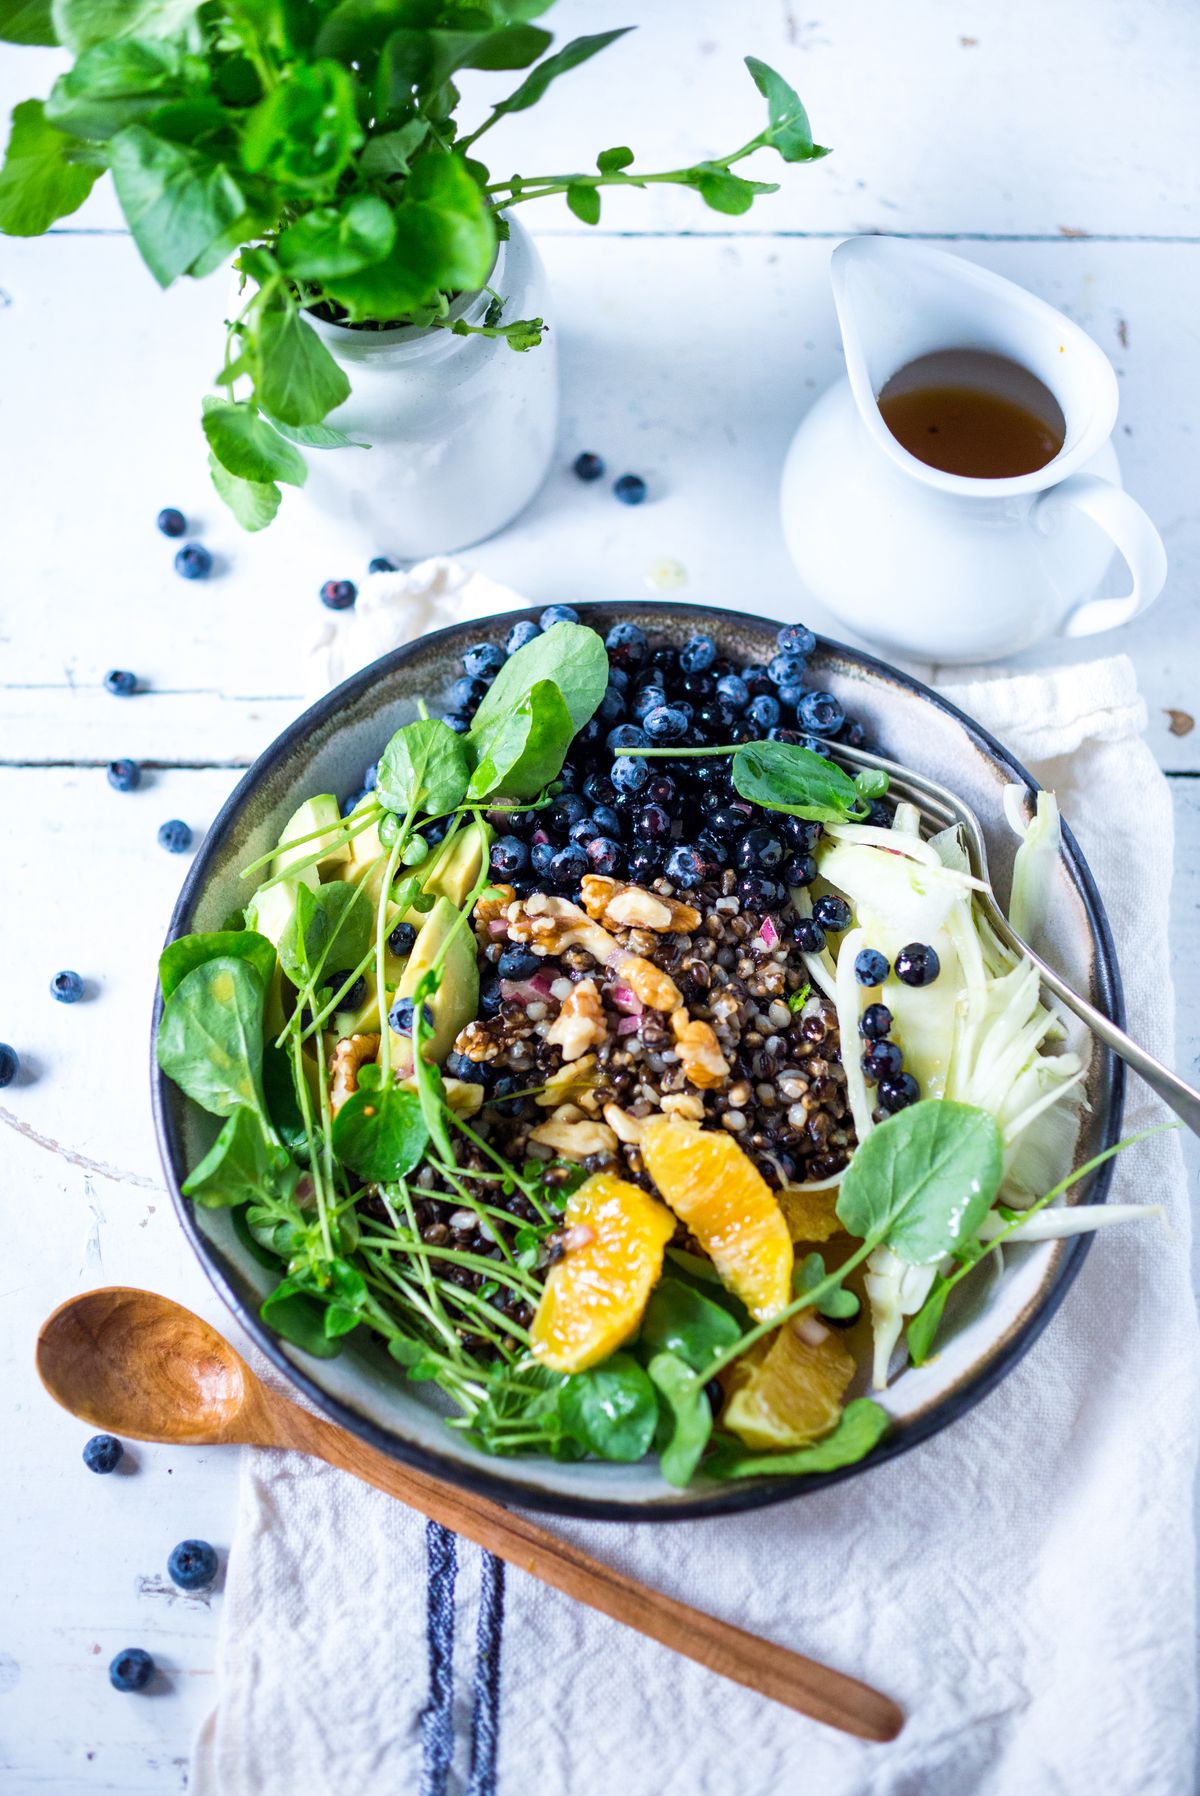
[734,1497]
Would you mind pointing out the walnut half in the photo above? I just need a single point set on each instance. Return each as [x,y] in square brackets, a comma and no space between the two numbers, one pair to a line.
[351,1052]
[580,1023]
[575,1140]
[632,907]
[699,1052]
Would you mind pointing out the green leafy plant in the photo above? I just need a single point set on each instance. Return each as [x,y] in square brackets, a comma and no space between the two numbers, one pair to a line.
[786,776]
[318,146]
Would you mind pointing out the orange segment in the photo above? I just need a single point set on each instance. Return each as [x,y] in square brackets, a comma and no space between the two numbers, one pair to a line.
[594,1297]
[719,1193]
[810,1215]
[794,1394]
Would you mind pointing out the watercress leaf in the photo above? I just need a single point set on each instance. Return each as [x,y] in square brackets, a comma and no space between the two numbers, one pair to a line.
[82,23]
[611,1410]
[580,49]
[381,1135]
[340,1321]
[37,183]
[445,242]
[838,1303]
[423,768]
[784,776]
[920,1330]
[26,22]
[347,1283]
[329,927]
[687,1418]
[584,202]
[861,1427]
[187,951]
[570,656]
[681,1320]
[176,200]
[338,240]
[871,782]
[406,1350]
[391,153]
[528,749]
[298,379]
[611,162]
[245,444]
[256,1248]
[788,130]
[210,1036]
[727,192]
[300,1318]
[305,130]
[252,502]
[113,85]
[283,1105]
[242,1166]
[923,1180]
[317,436]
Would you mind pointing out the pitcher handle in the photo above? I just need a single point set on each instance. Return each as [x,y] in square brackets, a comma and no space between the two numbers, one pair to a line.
[1133,536]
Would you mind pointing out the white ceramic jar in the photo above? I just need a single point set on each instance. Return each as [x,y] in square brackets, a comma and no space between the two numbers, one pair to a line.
[462,429]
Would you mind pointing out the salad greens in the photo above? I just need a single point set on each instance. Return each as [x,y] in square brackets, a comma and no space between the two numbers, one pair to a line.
[319,147]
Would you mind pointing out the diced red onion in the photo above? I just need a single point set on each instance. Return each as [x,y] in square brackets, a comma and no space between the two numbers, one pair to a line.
[629,1025]
[624,999]
[525,991]
[497,926]
[768,934]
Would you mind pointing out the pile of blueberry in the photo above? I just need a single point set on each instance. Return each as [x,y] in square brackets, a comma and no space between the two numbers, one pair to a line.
[639,819]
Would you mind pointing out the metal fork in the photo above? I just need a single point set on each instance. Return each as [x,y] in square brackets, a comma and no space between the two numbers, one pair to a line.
[944,808]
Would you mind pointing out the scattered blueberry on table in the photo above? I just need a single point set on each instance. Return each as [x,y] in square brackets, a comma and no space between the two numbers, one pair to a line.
[124,776]
[120,682]
[870,967]
[175,836]
[10,1064]
[193,562]
[339,595]
[192,1564]
[67,987]
[131,1669]
[918,964]
[630,489]
[103,1453]
[379,564]
[171,522]
[588,466]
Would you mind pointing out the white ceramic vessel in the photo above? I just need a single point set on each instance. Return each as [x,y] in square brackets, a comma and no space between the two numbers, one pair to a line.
[462,429]
[940,565]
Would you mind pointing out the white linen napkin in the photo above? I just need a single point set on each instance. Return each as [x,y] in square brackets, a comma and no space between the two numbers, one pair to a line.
[1022,1584]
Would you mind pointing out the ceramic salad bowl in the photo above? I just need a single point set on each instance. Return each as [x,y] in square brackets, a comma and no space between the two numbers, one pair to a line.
[326,749]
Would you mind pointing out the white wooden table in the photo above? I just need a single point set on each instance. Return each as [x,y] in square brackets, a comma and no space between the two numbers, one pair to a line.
[1056,144]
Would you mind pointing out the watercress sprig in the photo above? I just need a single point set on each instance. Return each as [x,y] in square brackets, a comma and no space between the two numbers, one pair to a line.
[786,776]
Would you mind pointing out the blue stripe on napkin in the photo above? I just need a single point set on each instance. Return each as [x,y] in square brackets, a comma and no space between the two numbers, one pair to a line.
[485,1716]
[437,1722]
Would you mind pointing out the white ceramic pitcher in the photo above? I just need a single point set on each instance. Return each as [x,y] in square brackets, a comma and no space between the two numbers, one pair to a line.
[938,565]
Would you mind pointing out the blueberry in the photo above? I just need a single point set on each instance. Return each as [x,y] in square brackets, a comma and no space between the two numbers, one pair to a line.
[729,816]
[627,735]
[733,691]
[598,788]
[918,964]
[457,722]
[131,1669]
[192,1565]
[484,661]
[466,693]
[351,803]
[124,776]
[666,723]
[802,834]
[685,867]
[786,670]
[520,634]
[583,831]
[795,639]
[645,863]
[371,777]
[758,851]
[651,824]
[490,998]
[541,854]
[875,1022]
[630,489]
[379,564]
[509,856]
[466,1070]
[339,595]
[758,891]
[357,992]
[821,713]
[618,676]
[515,823]
[756,679]
[763,711]
[790,696]
[882,1060]
[569,866]
[604,856]
[558,614]
[588,466]
[832,913]
[568,777]
[505,1088]
[568,809]
[647,699]
[697,654]
[171,522]
[661,789]
[67,987]
[870,967]
[852,733]
[808,935]
[627,645]
[175,836]
[103,1453]
[517,963]
[798,870]
[899,1093]
[120,682]
[628,774]
[607,819]
[193,562]
[401,940]
[10,1064]
[400,1016]
[715,719]
[612,706]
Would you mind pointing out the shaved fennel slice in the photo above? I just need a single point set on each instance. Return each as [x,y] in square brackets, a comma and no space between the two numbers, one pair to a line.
[1071,1219]
[1036,860]
[907,819]
[847,998]
[819,967]
[894,1290]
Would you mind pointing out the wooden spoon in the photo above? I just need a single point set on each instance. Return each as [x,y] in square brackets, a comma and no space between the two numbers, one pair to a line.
[137,1364]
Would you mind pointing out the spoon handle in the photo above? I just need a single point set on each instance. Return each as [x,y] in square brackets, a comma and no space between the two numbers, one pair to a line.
[773,1671]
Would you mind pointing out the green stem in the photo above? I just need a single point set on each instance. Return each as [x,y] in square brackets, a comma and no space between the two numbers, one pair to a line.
[544,185]
[354,825]
[805,1302]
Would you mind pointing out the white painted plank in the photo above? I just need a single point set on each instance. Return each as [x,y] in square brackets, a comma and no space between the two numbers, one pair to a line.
[943,117]
[699,390]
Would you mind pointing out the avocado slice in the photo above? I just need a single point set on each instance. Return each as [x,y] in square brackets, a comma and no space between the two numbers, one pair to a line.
[366,846]
[451,869]
[456,1001]
[270,909]
[321,813]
